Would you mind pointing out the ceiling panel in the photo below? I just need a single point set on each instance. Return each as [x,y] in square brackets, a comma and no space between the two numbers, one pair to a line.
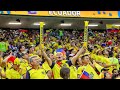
[53,22]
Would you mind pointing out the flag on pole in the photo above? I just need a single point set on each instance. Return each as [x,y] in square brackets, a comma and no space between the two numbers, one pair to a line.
[89,73]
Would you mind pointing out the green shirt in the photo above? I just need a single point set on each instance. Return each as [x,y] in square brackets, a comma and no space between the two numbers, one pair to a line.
[3,46]
[114,61]
[61,33]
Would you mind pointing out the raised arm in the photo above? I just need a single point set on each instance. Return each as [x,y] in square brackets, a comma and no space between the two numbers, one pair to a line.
[73,60]
[106,66]
[5,60]
[46,57]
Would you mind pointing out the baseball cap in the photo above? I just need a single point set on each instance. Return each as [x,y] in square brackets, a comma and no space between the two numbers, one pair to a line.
[11,59]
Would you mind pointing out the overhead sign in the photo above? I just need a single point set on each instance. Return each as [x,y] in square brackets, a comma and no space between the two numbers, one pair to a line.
[65,13]
[89,14]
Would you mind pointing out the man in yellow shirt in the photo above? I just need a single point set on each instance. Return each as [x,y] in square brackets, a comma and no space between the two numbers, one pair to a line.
[56,66]
[36,71]
[85,61]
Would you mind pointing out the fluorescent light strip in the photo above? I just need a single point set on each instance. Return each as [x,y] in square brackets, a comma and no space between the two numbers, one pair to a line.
[66,24]
[117,25]
[92,25]
[37,24]
[12,23]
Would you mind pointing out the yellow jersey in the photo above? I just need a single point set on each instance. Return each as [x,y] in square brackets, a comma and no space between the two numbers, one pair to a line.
[73,72]
[12,74]
[46,66]
[56,68]
[23,67]
[80,70]
[36,74]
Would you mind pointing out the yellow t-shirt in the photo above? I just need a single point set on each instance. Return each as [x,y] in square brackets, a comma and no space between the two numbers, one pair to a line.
[56,70]
[23,67]
[80,69]
[73,72]
[46,66]
[38,74]
[105,60]
[9,65]
[12,74]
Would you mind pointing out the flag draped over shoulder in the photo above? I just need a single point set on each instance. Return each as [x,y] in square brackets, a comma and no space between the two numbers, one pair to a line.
[89,73]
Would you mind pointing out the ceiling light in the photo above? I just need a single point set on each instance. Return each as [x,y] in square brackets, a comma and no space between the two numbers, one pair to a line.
[117,25]
[66,24]
[14,23]
[37,24]
[92,25]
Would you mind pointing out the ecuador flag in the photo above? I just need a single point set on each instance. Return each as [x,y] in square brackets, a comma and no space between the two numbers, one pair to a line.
[89,73]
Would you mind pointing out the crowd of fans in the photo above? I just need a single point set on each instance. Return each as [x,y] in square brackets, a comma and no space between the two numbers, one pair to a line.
[61,56]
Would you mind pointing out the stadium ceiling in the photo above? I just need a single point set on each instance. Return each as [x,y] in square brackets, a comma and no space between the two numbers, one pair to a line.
[53,22]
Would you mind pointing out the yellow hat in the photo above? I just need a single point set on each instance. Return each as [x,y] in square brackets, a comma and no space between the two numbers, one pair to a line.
[17,61]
